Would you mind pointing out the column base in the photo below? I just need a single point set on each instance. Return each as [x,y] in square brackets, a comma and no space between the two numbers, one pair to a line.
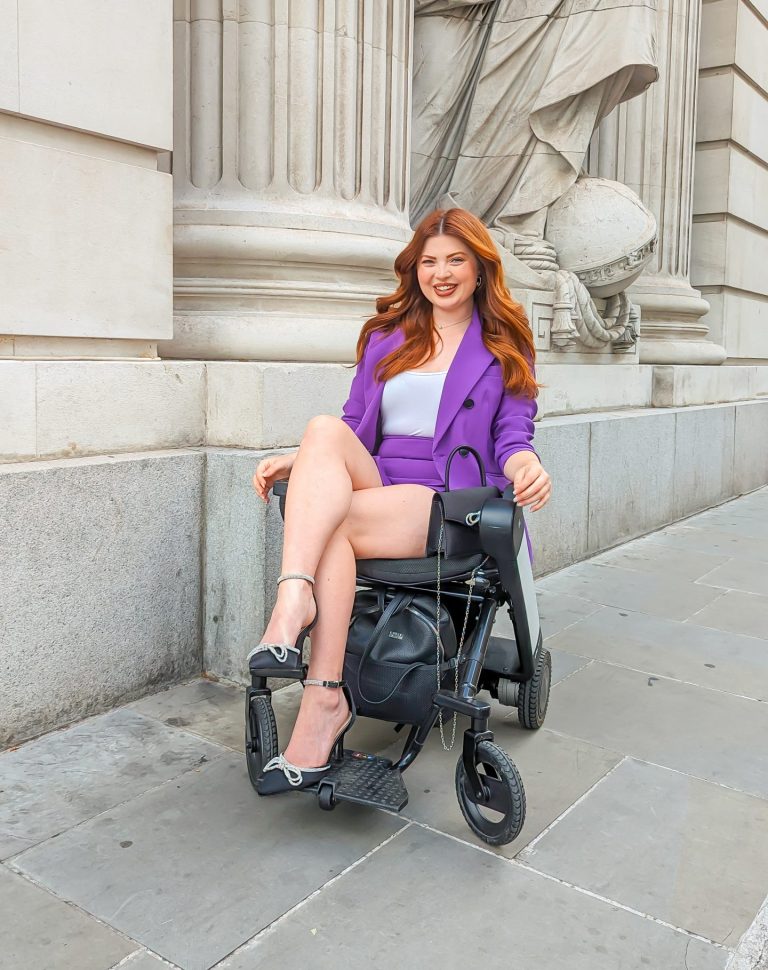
[670,327]
[263,293]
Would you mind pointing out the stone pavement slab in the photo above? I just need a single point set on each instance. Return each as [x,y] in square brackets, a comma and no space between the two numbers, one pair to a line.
[629,589]
[711,541]
[662,837]
[61,779]
[647,794]
[564,664]
[736,612]
[556,612]
[724,661]
[648,556]
[211,710]
[217,712]
[740,574]
[704,733]
[41,932]
[197,866]
[556,771]
[747,522]
[143,960]
[430,902]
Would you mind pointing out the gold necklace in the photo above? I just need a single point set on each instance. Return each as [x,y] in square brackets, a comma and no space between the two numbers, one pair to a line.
[447,325]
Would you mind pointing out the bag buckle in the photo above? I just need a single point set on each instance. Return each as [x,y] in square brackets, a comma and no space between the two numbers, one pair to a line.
[472,518]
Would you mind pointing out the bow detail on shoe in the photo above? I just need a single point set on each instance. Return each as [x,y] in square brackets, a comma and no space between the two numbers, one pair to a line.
[291,772]
[278,650]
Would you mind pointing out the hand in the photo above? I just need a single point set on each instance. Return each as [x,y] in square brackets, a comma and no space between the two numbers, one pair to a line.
[532,485]
[271,470]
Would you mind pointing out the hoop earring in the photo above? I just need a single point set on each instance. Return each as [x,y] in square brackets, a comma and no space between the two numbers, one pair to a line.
[479,281]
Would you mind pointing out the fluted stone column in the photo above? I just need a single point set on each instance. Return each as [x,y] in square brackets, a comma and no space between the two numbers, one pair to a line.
[648,143]
[290,173]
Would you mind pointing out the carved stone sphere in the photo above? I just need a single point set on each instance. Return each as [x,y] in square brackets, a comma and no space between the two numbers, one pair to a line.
[603,233]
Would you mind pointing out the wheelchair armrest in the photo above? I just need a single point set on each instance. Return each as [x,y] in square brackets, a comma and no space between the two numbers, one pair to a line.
[502,536]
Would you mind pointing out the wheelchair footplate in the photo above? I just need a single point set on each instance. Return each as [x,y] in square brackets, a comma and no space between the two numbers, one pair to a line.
[364,779]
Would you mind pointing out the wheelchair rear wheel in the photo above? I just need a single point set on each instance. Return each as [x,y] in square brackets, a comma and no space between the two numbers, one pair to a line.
[498,820]
[260,734]
[533,696]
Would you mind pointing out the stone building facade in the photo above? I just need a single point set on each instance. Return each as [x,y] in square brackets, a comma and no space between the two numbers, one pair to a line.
[199,203]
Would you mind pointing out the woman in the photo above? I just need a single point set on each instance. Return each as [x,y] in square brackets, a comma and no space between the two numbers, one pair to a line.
[446,361]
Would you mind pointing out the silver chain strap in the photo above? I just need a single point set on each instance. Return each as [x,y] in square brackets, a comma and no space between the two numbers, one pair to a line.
[471,583]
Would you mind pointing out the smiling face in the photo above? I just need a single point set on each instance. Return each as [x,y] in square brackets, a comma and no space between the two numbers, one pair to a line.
[447,271]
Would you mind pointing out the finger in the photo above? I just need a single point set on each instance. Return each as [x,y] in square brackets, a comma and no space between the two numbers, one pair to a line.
[526,477]
[541,501]
[536,495]
[530,491]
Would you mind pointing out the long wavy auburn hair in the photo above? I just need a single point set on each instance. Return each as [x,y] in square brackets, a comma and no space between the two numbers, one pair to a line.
[506,333]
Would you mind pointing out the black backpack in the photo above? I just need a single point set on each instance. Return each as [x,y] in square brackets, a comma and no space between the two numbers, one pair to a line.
[391,663]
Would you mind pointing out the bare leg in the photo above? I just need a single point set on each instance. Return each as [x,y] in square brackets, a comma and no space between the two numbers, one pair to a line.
[382,522]
[330,465]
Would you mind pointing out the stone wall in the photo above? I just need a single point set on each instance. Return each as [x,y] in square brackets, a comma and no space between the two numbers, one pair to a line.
[100,595]
[730,224]
[85,126]
[120,575]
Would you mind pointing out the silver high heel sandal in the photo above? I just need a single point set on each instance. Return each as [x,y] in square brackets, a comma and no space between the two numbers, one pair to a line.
[282,657]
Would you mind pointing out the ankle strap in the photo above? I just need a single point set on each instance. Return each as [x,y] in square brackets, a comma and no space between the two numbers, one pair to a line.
[323,683]
[309,579]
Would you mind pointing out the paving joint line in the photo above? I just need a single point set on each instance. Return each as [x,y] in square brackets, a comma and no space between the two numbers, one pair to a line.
[111,808]
[516,863]
[704,607]
[623,906]
[79,909]
[545,831]
[598,607]
[125,963]
[651,673]
[253,941]
[654,764]
[590,661]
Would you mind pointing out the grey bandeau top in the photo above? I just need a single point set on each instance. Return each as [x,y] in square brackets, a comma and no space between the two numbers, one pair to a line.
[410,402]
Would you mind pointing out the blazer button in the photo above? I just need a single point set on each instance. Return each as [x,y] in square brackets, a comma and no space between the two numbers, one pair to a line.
[463,452]
[469,403]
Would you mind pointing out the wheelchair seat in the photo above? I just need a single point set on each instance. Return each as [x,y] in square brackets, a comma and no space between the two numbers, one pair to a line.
[416,572]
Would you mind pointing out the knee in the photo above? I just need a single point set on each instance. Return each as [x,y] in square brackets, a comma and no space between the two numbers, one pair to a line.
[324,426]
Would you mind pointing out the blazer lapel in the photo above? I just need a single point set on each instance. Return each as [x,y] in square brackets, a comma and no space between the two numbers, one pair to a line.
[471,360]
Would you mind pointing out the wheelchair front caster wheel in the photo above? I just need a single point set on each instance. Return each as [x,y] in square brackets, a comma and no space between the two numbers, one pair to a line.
[325,798]
[533,698]
[498,819]
[260,734]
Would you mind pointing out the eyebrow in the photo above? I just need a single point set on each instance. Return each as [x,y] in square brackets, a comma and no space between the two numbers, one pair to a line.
[459,252]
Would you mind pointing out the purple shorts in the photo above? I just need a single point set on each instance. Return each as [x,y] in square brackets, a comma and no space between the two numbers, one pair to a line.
[407,460]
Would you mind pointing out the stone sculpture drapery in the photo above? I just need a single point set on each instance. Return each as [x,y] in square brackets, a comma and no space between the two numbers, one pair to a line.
[506,97]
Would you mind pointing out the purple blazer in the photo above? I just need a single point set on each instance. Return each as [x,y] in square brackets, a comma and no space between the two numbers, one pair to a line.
[475,408]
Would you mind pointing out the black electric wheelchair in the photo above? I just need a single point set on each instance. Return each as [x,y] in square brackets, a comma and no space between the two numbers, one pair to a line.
[515,672]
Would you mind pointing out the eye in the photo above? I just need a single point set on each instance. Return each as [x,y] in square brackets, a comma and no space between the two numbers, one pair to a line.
[457,259]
